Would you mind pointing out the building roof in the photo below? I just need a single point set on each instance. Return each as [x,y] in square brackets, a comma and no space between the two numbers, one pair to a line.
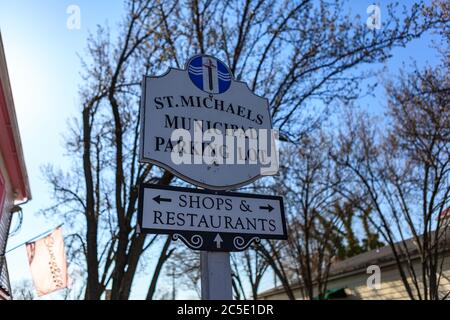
[382,257]
[10,142]
[361,261]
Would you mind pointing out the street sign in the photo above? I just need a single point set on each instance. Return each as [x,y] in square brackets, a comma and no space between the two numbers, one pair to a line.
[214,132]
[211,220]
[205,96]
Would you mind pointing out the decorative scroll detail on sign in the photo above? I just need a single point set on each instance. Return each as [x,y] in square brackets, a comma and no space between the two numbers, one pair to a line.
[240,243]
[195,242]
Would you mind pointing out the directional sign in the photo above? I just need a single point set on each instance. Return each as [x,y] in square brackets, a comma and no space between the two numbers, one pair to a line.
[211,220]
[204,92]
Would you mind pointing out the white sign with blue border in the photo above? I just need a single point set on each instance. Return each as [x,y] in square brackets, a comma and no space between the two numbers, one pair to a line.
[204,91]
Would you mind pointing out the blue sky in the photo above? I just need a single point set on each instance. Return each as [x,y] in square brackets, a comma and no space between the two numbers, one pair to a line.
[44,70]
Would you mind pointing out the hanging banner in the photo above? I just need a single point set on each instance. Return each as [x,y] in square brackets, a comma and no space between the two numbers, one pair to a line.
[48,263]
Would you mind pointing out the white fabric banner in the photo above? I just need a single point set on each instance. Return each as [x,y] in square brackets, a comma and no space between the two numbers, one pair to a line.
[48,263]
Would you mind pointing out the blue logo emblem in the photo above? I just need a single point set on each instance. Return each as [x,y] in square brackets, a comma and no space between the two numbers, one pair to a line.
[209,74]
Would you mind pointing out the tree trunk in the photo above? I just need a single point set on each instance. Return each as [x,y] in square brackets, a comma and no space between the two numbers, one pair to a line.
[162,259]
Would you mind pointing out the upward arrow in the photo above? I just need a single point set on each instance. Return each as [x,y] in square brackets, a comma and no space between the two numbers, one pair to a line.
[159,199]
[218,240]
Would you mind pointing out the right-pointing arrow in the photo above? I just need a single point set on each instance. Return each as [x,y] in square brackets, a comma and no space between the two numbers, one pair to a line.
[218,240]
[268,208]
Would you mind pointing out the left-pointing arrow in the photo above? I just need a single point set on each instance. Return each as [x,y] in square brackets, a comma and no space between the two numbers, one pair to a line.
[159,199]
[218,240]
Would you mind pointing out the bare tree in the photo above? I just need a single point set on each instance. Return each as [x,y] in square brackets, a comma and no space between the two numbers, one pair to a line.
[321,223]
[349,241]
[291,52]
[184,266]
[405,171]
[100,197]
[309,183]
[249,269]
[23,290]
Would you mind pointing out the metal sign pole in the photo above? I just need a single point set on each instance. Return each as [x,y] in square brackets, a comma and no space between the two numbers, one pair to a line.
[215,269]
[216,275]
